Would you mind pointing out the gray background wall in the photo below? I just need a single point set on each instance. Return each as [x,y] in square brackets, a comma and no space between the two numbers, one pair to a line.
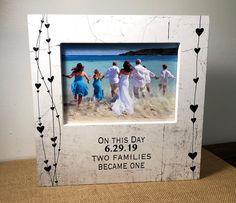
[16,108]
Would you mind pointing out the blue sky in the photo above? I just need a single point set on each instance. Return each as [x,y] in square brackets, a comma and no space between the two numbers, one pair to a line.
[109,48]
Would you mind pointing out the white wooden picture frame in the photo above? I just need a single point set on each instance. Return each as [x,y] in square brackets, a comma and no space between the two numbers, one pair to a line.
[69,154]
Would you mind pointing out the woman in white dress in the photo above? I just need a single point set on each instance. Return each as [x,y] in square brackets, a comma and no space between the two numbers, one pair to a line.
[124,104]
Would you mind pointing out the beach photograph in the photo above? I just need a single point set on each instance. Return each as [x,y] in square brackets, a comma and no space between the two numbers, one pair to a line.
[119,82]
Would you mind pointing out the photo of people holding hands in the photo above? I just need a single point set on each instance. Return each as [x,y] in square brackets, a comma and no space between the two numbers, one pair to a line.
[111,87]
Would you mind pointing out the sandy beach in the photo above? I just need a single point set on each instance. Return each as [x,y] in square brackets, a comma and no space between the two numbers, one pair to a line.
[101,57]
[158,108]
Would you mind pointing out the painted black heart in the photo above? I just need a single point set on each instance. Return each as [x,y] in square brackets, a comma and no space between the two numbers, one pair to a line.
[52,108]
[40,128]
[54,144]
[48,40]
[41,136]
[46,161]
[49,52]
[47,25]
[51,79]
[192,155]
[35,48]
[55,164]
[47,168]
[193,168]
[54,139]
[57,116]
[38,91]
[193,107]
[36,58]
[37,85]
[56,181]
[193,120]
[199,31]
[59,150]
[40,124]
[40,31]
[197,50]
[196,79]
[42,21]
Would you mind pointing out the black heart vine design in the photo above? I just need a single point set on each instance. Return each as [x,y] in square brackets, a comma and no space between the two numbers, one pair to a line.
[192,155]
[199,31]
[193,168]
[197,50]
[193,107]
[195,79]
[51,79]
[52,172]
[40,128]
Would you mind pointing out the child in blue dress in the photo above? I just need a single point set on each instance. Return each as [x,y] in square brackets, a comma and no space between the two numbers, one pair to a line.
[78,87]
[97,85]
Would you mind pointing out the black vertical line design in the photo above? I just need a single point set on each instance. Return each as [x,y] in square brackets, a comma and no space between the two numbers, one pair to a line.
[38,104]
[193,143]
[162,152]
[58,120]
[46,159]
[200,22]
[57,115]
[37,56]
[40,29]
[47,88]
[168,29]
[195,88]
[194,99]
[39,73]
[51,89]
[38,100]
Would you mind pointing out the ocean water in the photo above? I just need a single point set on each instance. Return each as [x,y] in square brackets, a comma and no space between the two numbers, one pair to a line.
[102,63]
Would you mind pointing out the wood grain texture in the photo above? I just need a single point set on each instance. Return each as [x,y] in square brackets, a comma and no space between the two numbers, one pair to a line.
[169,143]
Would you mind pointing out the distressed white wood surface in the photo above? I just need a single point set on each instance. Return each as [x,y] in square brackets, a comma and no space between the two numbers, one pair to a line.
[168,143]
